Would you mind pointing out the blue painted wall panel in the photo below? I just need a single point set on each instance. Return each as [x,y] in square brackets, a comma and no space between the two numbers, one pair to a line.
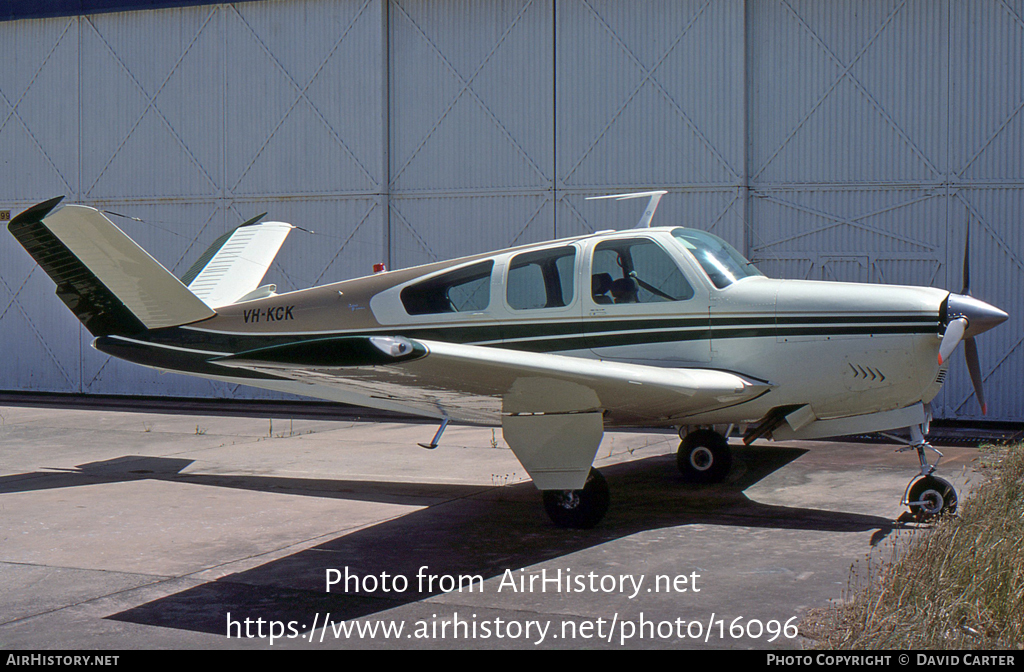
[842,140]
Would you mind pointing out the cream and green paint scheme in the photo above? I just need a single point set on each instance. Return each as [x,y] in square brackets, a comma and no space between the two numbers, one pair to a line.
[554,342]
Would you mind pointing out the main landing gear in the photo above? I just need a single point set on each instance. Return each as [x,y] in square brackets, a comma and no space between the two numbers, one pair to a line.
[579,509]
[927,496]
[704,457]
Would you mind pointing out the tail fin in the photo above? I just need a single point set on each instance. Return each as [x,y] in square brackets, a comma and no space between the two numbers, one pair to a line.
[110,283]
[232,268]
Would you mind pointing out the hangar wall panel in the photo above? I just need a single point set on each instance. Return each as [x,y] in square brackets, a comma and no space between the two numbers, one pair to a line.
[144,97]
[471,134]
[39,104]
[470,108]
[986,176]
[191,121]
[867,82]
[425,229]
[304,104]
[846,140]
[874,129]
[649,96]
[38,109]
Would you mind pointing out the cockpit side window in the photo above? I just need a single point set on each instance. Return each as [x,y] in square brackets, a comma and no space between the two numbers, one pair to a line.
[542,279]
[462,290]
[720,260]
[636,270]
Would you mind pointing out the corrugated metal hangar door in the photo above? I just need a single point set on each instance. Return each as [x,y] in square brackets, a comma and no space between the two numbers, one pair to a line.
[191,120]
[848,140]
[876,130]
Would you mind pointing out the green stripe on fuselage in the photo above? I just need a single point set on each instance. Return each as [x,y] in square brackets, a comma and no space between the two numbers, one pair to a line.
[575,335]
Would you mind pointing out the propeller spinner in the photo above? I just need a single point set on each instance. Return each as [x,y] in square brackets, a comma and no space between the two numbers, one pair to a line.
[965,317]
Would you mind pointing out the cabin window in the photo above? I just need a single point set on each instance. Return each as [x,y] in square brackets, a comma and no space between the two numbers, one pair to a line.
[462,290]
[636,270]
[544,279]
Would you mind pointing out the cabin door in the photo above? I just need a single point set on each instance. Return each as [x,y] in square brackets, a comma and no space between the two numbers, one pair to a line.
[641,307]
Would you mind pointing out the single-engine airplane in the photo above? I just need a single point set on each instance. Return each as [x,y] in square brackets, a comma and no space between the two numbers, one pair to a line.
[555,342]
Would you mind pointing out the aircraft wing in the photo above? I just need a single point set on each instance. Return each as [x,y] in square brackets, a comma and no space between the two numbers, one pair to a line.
[553,409]
[480,384]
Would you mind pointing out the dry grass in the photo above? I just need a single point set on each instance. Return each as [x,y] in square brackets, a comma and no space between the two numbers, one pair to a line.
[957,585]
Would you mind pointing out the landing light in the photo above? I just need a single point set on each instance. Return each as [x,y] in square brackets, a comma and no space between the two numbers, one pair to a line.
[394,346]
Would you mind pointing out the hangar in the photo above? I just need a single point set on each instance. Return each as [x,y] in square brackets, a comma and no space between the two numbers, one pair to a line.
[850,140]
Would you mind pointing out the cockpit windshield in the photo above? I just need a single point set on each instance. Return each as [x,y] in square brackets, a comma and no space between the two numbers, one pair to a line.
[720,260]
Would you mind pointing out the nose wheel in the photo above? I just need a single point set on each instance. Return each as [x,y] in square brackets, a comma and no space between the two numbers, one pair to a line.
[704,457]
[929,497]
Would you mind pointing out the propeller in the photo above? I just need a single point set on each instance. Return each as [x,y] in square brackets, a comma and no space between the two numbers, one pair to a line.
[966,317]
[971,354]
[951,338]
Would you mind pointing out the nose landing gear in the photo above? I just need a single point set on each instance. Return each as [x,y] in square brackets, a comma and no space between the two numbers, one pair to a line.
[927,496]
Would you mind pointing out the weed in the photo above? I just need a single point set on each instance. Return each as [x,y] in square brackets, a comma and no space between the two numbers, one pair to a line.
[500,482]
[957,585]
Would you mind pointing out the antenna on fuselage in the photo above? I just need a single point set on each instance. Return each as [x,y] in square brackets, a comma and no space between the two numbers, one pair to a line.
[652,205]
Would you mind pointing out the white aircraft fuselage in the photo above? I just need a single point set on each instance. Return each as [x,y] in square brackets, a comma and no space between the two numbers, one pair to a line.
[554,342]
[846,349]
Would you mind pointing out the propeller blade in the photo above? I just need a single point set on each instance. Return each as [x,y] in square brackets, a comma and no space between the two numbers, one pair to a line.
[954,334]
[971,355]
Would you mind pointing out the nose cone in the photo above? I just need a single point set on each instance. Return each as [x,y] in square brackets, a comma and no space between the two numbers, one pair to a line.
[980,316]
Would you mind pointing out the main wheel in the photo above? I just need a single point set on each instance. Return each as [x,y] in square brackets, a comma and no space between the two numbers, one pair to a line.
[579,509]
[704,457]
[930,497]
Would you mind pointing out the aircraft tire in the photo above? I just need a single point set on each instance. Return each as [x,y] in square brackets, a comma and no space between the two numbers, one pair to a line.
[579,509]
[704,457]
[937,497]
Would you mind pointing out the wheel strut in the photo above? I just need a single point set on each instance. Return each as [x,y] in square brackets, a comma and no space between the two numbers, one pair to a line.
[927,496]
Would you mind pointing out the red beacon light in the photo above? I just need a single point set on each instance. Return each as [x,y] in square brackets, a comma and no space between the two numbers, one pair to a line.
[379,268]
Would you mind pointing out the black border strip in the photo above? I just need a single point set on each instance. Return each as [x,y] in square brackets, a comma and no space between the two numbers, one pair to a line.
[14,10]
[553,340]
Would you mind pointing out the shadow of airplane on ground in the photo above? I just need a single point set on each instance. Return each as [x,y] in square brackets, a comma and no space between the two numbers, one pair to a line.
[474,531]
